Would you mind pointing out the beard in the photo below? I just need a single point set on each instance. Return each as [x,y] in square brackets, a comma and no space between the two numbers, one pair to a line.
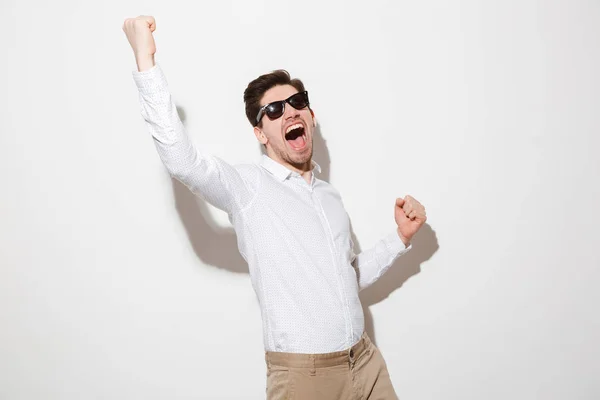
[295,159]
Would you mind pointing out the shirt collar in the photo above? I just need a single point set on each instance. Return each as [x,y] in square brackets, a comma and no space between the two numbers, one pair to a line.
[282,172]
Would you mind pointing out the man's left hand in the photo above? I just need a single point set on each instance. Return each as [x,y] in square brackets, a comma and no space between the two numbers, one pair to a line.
[410,216]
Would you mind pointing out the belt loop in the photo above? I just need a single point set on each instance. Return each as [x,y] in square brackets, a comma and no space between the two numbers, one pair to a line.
[313,367]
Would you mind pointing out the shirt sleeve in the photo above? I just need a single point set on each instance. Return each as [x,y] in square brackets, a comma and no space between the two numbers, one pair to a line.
[372,263]
[207,176]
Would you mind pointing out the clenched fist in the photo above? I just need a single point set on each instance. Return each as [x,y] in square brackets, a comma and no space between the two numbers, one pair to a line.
[139,34]
[410,216]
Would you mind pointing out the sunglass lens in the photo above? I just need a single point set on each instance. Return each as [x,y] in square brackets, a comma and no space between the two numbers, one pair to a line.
[274,110]
[299,100]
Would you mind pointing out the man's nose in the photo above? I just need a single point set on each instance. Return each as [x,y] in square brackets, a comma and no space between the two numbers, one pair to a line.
[290,112]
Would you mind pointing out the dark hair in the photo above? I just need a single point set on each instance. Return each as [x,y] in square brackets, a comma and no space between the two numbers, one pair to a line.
[257,88]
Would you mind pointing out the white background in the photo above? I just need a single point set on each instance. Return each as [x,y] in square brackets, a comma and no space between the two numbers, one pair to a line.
[116,284]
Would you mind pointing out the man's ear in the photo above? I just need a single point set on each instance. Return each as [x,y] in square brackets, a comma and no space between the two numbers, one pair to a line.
[313,115]
[260,135]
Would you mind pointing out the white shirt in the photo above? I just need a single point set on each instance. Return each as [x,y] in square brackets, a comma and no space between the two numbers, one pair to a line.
[295,236]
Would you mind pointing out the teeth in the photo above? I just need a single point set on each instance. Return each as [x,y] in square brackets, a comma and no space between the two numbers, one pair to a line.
[298,125]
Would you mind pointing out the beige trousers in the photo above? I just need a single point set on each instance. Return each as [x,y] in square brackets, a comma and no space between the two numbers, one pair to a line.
[357,373]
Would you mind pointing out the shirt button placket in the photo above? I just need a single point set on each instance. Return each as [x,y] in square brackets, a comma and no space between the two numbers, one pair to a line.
[326,228]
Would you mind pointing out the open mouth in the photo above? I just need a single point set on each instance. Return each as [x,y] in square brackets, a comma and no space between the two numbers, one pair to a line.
[296,136]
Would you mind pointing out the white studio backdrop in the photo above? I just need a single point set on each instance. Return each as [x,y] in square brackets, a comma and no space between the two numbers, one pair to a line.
[115,283]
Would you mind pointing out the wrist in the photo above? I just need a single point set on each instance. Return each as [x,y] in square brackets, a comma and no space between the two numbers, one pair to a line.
[405,240]
[144,61]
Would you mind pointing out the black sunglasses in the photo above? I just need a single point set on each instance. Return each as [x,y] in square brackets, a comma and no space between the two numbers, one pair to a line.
[275,109]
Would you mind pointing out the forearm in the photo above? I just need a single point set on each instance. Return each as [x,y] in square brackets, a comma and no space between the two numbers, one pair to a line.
[372,263]
[176,150]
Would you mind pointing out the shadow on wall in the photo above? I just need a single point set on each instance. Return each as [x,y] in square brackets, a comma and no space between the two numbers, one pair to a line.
[425,244]
[213,244]
[217,246]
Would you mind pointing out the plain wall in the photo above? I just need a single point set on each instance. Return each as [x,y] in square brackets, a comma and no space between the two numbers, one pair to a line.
[116,283]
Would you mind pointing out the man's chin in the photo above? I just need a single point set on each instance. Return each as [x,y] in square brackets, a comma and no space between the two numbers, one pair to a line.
[291,155]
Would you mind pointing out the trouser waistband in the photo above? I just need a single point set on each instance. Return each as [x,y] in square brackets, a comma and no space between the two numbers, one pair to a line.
[302,360]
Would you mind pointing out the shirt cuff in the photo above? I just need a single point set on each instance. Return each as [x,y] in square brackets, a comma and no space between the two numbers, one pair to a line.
[150,80]
[395,245]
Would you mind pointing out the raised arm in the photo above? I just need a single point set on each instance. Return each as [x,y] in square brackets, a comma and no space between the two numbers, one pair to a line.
[213,179]
[371,264]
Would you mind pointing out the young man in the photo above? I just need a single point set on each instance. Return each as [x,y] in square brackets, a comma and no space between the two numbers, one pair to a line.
[292,230]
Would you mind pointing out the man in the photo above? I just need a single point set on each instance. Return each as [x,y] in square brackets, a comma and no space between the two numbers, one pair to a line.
[292,230]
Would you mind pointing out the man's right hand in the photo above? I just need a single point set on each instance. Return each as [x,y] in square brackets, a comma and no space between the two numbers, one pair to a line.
[139,33]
